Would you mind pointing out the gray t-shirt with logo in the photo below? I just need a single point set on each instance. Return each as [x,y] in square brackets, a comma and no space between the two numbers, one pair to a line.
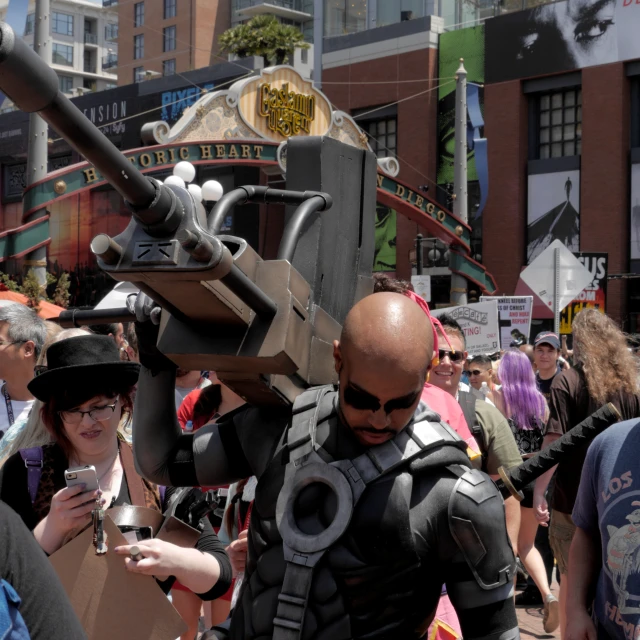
[608,506]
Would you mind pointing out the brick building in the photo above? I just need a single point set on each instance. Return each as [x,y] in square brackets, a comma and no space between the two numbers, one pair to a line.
[363,72]
[164,37]
[562,106]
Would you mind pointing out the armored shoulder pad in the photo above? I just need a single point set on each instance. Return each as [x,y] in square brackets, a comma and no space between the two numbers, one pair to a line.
[478,525]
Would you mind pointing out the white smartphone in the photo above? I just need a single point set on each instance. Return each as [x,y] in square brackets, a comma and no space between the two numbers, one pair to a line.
[82,475]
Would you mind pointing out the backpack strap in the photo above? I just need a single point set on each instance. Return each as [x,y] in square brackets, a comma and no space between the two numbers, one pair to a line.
[467,402]
[33,460]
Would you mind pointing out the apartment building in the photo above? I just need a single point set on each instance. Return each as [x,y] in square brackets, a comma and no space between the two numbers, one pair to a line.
[83,43]
[164,37]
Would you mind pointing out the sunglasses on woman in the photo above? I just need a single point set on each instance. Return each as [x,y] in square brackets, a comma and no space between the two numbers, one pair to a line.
[454,356]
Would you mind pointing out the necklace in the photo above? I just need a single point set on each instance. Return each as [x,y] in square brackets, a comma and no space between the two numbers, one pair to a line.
[108,469]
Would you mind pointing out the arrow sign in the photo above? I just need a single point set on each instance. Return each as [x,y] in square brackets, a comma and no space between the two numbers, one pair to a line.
[540,276]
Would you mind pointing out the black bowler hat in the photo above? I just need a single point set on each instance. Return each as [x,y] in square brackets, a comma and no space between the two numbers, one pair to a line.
[80,361]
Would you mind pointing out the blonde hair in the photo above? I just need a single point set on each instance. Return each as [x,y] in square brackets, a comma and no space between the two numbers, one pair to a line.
[601,348]
[34,433]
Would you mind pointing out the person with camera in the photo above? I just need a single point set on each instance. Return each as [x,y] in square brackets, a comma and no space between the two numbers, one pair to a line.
[86,396]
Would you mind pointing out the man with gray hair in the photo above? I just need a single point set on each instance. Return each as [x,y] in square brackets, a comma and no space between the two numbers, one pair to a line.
[22,336]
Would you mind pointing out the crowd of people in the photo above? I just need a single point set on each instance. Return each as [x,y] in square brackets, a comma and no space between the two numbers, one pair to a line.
[69,401]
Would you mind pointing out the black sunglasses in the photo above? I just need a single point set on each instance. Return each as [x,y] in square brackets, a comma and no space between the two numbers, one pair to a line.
[476,372]
[363,401]
[454,356]
[39,369]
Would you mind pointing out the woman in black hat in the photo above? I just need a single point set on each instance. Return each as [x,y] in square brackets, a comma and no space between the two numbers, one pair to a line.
[86,395]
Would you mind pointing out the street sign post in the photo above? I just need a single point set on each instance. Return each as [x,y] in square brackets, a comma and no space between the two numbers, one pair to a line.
[556,276]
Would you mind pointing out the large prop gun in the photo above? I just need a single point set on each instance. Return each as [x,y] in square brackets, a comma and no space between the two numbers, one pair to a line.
[512,481]
[265,326]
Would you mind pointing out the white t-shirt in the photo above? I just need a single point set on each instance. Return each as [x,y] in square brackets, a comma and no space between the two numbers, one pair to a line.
[20,408]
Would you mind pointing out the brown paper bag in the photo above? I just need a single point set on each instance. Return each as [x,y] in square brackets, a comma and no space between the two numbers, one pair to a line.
[110,601]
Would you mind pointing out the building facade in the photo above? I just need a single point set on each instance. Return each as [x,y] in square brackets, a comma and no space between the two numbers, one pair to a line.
[164,37]
[83,36]
[562,107]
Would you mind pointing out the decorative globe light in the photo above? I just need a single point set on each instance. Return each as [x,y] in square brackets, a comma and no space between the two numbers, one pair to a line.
[185,170]
[176,181]
[196,192]
[212,191]
[433,255]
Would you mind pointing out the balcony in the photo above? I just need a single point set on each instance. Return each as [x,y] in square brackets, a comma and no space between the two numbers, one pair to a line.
[90,38]
[89,67]
[109,3]
[109,62]
[281,8]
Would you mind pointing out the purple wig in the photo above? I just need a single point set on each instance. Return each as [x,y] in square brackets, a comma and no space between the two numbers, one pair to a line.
[524,403]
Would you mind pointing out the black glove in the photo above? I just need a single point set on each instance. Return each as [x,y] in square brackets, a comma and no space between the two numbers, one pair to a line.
[147,323]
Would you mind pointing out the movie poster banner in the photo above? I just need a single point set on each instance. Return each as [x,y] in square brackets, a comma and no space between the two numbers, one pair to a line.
[453,45]
[553,212]
[384,257]
[561,36]
[593,296]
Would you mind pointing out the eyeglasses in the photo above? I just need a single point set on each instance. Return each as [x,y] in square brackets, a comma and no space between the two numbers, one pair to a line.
[476,372]
[97,414]
[6,343]
[454,356]
[39,369]
[363,401]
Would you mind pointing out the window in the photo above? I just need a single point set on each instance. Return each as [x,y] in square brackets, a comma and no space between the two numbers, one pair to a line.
[29,25]
[169,34]
[62,54]
[344,16]
[89,85]
[110,85]
[138,14]
[138,46]
[65,83]
[170,9]
[111,32]
[169,67]
[560,124]
[138,74]
[61,23]
[304,56]
[382,136]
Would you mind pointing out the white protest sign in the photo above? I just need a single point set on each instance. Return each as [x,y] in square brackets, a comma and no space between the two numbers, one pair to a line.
[422,286]
[540,276]
[479,321]
[514,315]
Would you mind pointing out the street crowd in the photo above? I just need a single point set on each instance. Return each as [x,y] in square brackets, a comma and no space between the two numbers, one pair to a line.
[68,399]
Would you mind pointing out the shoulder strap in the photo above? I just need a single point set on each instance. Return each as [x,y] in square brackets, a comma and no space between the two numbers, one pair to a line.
[467,402]
[33,460]
[305,418]
[134,481]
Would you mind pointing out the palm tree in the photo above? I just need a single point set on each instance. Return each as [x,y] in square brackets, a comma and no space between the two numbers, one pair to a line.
[263,36]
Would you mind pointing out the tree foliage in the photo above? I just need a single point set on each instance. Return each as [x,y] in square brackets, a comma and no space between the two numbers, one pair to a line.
[34,291]
[61,294]
[263,36]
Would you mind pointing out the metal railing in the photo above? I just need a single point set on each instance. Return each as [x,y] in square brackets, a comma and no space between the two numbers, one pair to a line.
[90,38]
[109,3]
[90,67]
[109,61]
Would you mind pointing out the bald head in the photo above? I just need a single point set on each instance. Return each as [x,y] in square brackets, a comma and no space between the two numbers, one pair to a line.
[391,330]
[382,360]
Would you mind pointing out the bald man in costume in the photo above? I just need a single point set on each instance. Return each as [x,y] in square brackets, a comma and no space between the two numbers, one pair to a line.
[366,502]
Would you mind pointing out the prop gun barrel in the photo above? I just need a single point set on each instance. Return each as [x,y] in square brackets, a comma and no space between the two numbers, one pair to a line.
[33,87]
[512,481]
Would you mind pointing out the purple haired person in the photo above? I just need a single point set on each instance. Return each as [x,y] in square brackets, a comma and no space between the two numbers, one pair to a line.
[526,409]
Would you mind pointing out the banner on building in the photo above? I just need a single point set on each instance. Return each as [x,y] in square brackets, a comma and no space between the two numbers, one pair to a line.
[593,296]
[553,212]
[384,257]
[514,318]
[560,36]
[479,321]
[467,44]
